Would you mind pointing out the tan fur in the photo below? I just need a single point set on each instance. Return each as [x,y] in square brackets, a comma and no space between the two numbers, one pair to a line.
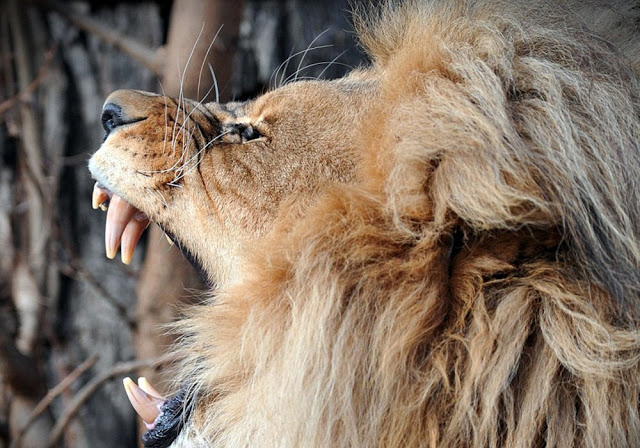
[440,250]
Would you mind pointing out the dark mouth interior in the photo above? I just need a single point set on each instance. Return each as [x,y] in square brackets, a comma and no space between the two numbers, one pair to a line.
[175,413]
[191,258]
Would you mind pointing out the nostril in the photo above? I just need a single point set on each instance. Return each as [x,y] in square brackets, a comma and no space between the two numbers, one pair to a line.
[111,117]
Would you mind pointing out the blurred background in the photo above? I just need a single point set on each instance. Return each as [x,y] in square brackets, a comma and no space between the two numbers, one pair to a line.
[72,322]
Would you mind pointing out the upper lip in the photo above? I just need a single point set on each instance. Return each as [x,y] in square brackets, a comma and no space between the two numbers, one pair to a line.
[101,181]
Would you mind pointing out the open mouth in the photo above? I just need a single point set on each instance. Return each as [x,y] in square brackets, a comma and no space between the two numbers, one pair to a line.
[164,418]
[125,223]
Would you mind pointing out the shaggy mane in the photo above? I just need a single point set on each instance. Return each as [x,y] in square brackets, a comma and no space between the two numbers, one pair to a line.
[479,287]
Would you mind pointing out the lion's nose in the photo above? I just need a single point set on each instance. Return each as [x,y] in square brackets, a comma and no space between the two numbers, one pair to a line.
[111,117]
[126,107]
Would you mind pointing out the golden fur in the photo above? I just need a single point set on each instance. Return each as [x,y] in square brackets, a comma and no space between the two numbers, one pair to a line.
[439,250]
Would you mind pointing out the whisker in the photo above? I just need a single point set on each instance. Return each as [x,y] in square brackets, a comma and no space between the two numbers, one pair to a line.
[215,83]
[333,62]
[187,118]
[194,108]
[307,50]
[193,49]
[171,168]
[205,60]
[175,119]
[195,156]
[166,117]
[182,78]
[328,64]
[186,142]
[155,194]
[285,63]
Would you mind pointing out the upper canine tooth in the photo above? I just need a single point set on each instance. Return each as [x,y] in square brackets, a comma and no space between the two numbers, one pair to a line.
[168,239]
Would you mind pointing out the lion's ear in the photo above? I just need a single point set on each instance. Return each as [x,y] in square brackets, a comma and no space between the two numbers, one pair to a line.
[462,158]
[487,195]
[508,136]
[465,152]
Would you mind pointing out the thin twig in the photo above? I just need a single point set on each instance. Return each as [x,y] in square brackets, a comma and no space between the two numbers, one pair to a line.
[52,395]
[148,57]
[23,96]
[7,54]
[75,269]
[92,386]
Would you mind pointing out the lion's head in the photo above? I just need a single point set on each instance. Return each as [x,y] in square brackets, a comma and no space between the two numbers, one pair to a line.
[227,170]
[441,249]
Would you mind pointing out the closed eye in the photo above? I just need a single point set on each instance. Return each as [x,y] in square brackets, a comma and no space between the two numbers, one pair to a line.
[241,132]
[249,133]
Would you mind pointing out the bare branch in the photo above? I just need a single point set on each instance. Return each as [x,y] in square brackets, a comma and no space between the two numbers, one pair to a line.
[75,269]
[52,395]
[150,58]
[23,96]
[92,386]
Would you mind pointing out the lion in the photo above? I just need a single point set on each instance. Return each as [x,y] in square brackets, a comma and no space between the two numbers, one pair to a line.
[439,249]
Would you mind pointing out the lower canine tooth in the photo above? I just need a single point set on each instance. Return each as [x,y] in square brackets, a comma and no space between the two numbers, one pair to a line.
[147,406]
[149,389]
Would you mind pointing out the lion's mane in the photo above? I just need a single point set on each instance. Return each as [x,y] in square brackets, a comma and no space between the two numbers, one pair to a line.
[479,287]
